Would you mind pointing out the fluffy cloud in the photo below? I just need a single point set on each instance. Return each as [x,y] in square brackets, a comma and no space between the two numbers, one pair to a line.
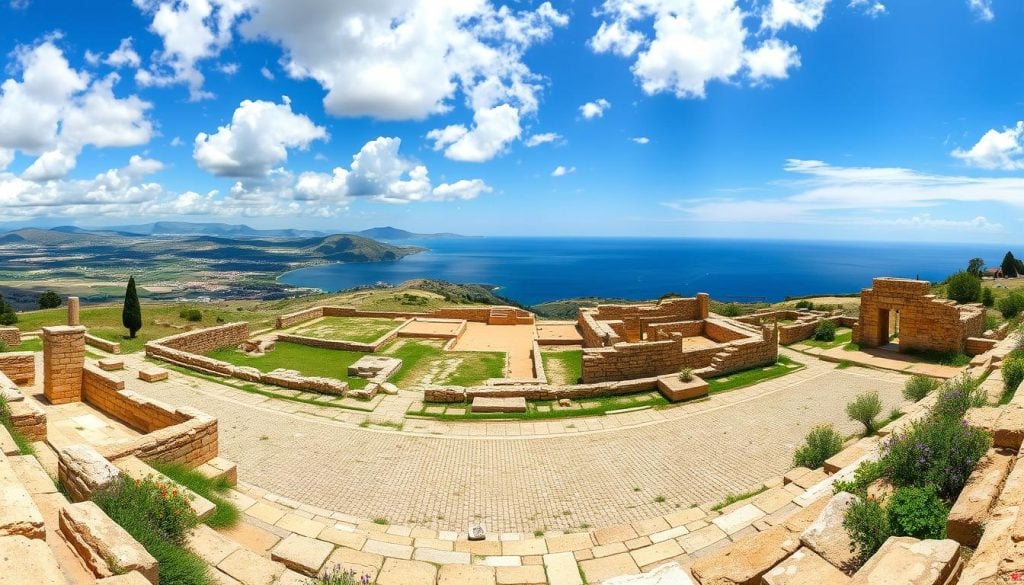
[982,9]
[680,46]
[191,30]
[823,193]
[56,111]
[561,171]
[641,140]
[997,150]
[380,173]
[408,60]
[256,140]
[799,13]
[124,56]
[594,109]
[870,7]
[544,138]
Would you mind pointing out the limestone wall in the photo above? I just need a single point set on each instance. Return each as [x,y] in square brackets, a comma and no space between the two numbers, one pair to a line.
[625,361]
[19,366]
[596,333]
[494,315]
[201,341]
[662,331]
[978,345]
[745,354]
[723,331]
[107,393]
[191,443]
[100,343]
[343,345]
[293,319]
[63,357]
[11,336]
[925,322]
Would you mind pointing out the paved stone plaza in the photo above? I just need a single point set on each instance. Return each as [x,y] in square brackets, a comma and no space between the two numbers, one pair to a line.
[526,476]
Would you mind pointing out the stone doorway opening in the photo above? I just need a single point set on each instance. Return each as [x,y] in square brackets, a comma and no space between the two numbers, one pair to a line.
[889,329]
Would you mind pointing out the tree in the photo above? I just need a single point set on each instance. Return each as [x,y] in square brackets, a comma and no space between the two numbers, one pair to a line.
[131,316]
[1009,266]
[864,408]
[7,315]
[975,266]
[49,300]
[963,287]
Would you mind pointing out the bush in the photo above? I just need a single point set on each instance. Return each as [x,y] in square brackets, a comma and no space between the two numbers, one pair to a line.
[825,331]
[49,300]
[804,305]
[686,375]
[821,443]
[191,314]
[959,394]
[867,524]
[731,310]
[917,387]
[963,287]
[866,473]
[1011,305]
[8,318]
[226,514]
[986,297]
[1013,370]
[917,512]
[864,409]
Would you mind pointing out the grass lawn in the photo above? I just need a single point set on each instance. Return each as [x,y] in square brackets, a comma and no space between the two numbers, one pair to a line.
[942,358]
[843,336]
[746,378]
[548,409]
[358,329]
[310,361]
[105,321]
[26,345]
[424,358]
[226,515]
[563,367]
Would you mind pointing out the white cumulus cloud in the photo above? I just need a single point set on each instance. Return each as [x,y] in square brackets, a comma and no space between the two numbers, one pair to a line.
[543,138]
[982,9]
[772,60]
[806,14]
[996,149]
[561,171]
[256,140]
[872,8]
[595,109]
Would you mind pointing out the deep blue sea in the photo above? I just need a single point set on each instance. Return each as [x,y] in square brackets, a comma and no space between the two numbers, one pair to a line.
[534,270]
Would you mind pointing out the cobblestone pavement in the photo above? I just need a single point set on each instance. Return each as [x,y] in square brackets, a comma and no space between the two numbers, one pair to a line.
[616,470]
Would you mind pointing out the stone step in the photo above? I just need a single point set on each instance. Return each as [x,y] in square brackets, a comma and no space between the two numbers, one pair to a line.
[104,546]
[28,562]
[512,404]
[218,468]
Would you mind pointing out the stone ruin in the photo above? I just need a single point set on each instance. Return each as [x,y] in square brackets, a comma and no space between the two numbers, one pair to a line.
[923,322]
[256,347]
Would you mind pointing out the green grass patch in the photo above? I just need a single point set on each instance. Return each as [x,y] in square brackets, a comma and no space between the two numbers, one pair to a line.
[851,347]
[753,376]
[24,445]
[226,515]
[943,358]
[545,409]
[358,329]
[843,337]
[419,358]
[733,498]
[563,367]
[34,344]
[310,361]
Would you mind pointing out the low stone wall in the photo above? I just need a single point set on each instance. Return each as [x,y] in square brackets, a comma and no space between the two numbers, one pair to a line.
[343,345]
[492,314]
[206,340]
[596,333]
[293,319]
[27,416]
[538,363]
[190,443]
[745,354]
[724,332]
[19,366]
[625,361]
[979,345]
[100,343]
[107,393]
[662,331]
[459,394]
[11,336]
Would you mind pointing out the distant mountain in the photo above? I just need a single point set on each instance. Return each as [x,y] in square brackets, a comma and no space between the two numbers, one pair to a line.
[225,230]
[392,233]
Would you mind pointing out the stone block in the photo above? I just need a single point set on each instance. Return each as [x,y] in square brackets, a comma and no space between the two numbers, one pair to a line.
[599,570]
[302,554]
[19,515]
[220,468]
[26,561]
[32,475]
[374,366]
[403,572]
[466,575]
[511,404]
[83,471]
[739,519]
[676,390]
[210,544]
[805,567]
[1009,429]
[667,574]
[561,569]
[111,364]
[909,561]
[153,374]
[794,474]
[250,568]
[105,547]
[827,537]
[844,458]
[525,575]
[967,517]
[747,559]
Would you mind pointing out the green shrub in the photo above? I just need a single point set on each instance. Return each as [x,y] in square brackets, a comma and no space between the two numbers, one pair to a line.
[991,322]
[959,394]
[159,518]
[1013,370]
[731,310]
[686,375]
[821,443]
[8,318]
[917,512]
[1011,305]
[866,473]
[986,297]
[963,287]
[49,300]
[825,331]
[805,304]
[215,490]
[917,387]
[191,314]
[864,409]
[867,524]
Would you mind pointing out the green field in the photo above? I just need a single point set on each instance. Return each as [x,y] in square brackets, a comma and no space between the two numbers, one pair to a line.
[358,329]
[563,367]
[456,368]
[753,376]
[310,361]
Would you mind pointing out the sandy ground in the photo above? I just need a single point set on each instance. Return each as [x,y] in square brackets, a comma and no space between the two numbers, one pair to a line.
[516,340]
[554,332]
[437,328]
[699,342]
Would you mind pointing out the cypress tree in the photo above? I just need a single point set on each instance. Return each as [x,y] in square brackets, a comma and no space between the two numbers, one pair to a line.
[131,316]
[1009,265]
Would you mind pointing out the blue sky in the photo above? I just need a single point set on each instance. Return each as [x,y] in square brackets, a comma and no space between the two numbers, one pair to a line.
[725,118]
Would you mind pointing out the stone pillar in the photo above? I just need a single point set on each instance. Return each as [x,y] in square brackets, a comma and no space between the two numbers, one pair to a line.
[63,360]
[703,302]
[73,311]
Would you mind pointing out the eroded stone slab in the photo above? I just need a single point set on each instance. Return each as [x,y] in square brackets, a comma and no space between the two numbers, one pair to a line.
[511,404]
[25,561]
[83,471]
[908,561]
[302,554]
[969,513]
[747,559]
[153,374]
[104,546]
[805,567]
[19,516]
[827,537]
[667,574]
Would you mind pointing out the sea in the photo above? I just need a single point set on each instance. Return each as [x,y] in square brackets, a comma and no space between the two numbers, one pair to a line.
[536,270]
